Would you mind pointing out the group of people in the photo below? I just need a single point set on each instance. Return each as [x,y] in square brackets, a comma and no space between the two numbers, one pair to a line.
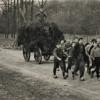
[79,55]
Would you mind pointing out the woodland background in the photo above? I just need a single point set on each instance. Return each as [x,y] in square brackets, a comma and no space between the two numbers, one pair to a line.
[72,17]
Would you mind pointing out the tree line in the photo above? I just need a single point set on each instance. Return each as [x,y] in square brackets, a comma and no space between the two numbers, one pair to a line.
[77,17]
[73,17]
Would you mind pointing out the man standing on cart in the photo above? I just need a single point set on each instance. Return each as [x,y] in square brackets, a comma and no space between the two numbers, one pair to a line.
[41,15]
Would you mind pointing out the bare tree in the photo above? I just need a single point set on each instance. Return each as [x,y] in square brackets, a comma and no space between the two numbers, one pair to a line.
[14,21]
[32,7]
[18,14]
[26,9]
[8,20]
[12,17]
[5,7]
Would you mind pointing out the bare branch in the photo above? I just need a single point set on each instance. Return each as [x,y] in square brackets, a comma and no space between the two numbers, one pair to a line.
[45,2]
[39,3]
[42,3]
[4,1]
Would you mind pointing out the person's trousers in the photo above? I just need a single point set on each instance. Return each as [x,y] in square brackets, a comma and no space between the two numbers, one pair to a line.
[97,64]
[88,63]
[70,63]
[79,66]
[62,65]
[93,67]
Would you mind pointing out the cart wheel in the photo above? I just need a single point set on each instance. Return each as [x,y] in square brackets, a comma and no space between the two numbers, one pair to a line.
[38,56]
[47,57]
[26,54]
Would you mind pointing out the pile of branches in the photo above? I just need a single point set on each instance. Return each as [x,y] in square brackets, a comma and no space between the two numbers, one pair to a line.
[44,36]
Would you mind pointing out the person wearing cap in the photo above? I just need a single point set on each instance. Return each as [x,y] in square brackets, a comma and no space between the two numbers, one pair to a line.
[79,56]
[59,61]
[95,55]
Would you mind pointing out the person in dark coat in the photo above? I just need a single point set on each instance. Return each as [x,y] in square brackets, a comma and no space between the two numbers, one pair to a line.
[79,56]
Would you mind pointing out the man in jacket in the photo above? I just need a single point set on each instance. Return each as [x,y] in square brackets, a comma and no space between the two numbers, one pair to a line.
[95,55]
[79,56]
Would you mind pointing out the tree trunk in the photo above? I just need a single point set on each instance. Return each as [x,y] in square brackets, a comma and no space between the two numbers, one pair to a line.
[14,14]
[32,10]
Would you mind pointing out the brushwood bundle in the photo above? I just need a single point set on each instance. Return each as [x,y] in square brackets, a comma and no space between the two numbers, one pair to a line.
[44,36]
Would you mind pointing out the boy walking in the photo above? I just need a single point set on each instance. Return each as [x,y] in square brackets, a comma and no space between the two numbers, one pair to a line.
[95,55]
[59,60]
[79,56]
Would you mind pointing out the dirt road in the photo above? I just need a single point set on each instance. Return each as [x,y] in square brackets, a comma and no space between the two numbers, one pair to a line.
[15,86]
[47,88]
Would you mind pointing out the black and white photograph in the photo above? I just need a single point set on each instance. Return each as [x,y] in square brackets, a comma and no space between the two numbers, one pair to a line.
[49,49]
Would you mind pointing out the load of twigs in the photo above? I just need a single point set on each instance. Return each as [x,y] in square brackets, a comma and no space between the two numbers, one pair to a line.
[46,35]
